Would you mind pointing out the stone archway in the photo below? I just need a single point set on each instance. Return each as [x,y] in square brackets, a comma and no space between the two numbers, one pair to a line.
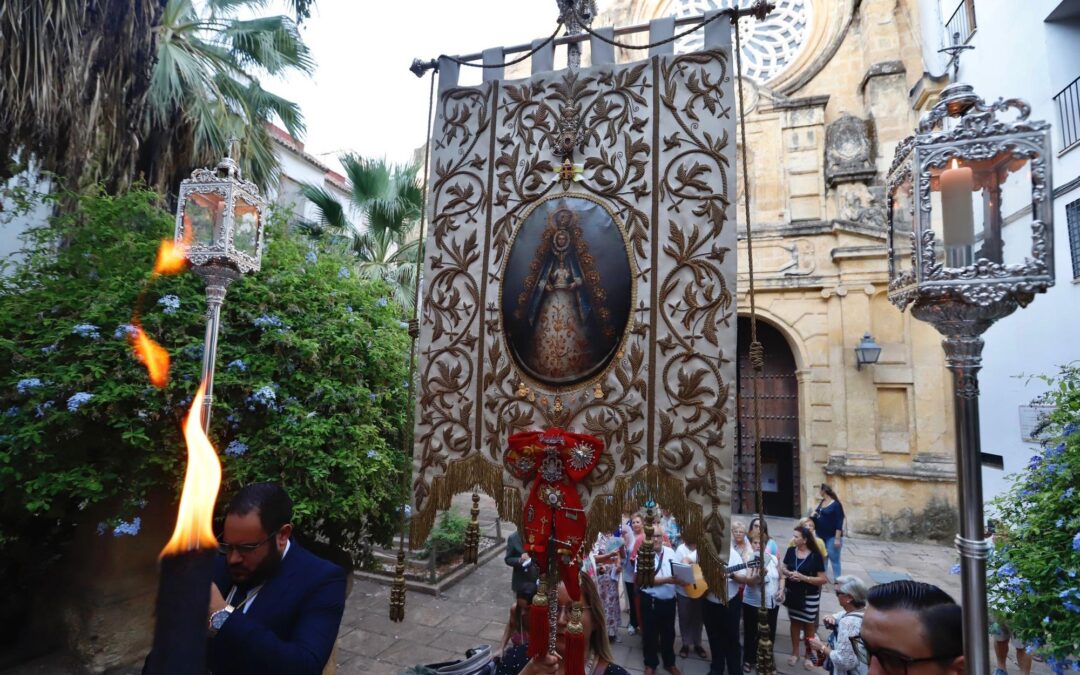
[779,396]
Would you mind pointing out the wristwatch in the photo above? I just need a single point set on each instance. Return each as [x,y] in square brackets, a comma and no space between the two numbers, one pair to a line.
[217,619]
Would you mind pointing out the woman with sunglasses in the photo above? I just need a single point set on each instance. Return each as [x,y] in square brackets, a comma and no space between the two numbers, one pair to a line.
[851,594]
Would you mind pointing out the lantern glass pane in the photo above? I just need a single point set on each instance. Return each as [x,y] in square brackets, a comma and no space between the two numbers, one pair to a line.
[246,227]
[902,211]
[204,213]
[972,204]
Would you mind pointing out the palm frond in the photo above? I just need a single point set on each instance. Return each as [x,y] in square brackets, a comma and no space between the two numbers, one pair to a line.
[271,43]
[331,211]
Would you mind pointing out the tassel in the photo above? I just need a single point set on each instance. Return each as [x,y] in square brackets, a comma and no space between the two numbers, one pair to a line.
[472,534]
[397,590]
[538,619]
[646,557]
[574,658]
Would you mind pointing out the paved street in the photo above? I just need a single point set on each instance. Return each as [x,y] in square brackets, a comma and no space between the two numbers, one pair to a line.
[474,611]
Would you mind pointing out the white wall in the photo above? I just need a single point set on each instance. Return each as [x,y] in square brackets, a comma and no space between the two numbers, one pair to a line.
[297,171]
[1019,55]
[12,224]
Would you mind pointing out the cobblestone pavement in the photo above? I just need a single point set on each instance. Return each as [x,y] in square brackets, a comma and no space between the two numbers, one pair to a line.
[474,611]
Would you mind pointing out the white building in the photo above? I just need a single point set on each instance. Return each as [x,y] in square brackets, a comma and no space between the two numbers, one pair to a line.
[298,168]
[1028,50]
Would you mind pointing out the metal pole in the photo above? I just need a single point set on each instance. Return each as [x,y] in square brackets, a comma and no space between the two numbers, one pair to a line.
[217,281]
[963,354]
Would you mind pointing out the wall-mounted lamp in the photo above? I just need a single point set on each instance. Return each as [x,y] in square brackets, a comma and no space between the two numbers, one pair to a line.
[867,353]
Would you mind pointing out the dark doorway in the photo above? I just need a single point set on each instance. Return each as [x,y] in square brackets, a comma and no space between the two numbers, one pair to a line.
[779,402]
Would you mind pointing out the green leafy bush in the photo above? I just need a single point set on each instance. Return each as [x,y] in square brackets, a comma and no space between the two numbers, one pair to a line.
[1034,582]
[447,538]
[310,388]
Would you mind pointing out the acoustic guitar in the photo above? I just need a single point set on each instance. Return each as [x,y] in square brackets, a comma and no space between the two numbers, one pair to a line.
[700,588]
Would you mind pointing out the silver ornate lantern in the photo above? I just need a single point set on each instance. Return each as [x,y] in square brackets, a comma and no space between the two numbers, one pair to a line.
[970,241]
[219,222]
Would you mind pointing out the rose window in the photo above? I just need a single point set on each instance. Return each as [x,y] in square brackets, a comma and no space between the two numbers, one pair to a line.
[768,47]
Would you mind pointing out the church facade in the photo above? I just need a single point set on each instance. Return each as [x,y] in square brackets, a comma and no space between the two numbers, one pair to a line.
[827,99]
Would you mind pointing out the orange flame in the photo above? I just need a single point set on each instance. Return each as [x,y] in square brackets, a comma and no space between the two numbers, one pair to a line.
[153,356]
[171,255]
[194,521]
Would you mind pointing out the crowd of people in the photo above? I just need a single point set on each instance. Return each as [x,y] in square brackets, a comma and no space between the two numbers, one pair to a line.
[894,628]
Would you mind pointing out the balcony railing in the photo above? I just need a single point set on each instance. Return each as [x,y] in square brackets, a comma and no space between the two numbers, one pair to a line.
[1068,107]
[961,25]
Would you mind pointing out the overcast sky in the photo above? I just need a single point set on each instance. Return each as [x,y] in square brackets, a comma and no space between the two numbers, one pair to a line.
[362,97]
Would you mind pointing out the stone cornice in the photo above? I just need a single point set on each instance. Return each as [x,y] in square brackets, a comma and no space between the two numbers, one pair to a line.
[882,69]
[922,468]
[858,252]
[792,103]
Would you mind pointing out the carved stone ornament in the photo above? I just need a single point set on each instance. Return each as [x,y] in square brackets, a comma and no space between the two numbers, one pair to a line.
[977,135]
[655,141]
[849,151]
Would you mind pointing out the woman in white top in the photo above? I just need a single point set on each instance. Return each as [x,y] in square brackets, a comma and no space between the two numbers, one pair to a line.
[689,608]
[752,601]
[851,593]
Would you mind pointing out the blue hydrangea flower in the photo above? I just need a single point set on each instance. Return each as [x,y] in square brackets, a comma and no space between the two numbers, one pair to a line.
[403,324]
[171,303]
[125,528]
[955,569]
[238,364]
[382,302]
[349,309]
[86,330]
[77,400]
[372,397]
[1076,542]
[1069,430]
[26,385]
[1069,493]
[49,349]
[265,396]
[102,528]
[371,454]
[12,411]
[39,410]
[123,331]
[311,257]
[236,448]
[344,273]
[268,321]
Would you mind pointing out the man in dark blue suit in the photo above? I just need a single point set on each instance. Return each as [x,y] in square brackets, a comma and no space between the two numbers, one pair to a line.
[274,607]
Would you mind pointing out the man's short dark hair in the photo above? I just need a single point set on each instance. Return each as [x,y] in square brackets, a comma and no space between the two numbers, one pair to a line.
[941,618]
[269,499]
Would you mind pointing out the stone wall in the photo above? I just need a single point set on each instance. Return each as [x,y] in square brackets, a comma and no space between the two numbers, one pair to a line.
[820,137]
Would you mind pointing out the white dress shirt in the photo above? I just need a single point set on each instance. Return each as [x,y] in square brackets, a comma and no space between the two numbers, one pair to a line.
[685,556]
[662,564]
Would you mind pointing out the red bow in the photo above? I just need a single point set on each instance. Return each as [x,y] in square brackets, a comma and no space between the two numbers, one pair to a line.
[555,460]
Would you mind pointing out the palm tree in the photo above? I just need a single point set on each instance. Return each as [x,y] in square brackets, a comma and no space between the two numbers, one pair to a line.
[205,89]
[110,90]
[74,84]
[385,244]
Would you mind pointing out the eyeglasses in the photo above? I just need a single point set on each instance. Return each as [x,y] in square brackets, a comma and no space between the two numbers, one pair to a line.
[242,549]
[891,662]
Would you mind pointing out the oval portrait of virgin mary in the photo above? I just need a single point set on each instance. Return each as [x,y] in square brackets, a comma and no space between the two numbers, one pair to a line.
[567,292]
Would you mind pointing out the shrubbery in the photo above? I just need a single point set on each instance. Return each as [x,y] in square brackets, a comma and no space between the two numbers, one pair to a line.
[1035,569]
[310,388]
[447,538]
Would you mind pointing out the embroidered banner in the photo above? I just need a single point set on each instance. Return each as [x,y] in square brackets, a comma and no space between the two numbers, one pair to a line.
[580,274]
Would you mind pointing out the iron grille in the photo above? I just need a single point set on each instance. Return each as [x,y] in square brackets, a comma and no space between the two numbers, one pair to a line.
[1068,107]
[961,25]
[1072,217]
